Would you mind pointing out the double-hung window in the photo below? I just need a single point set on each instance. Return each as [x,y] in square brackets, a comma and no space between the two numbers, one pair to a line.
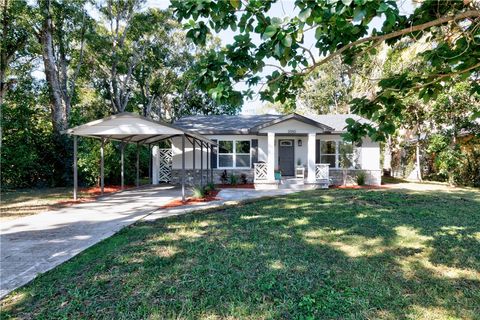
[234,154]
[328,152]
[333,153]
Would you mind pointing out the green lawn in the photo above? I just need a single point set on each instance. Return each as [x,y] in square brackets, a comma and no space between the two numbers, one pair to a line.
[350,254]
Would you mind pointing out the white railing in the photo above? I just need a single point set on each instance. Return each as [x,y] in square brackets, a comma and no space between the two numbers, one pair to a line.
[321,171]
[260,171]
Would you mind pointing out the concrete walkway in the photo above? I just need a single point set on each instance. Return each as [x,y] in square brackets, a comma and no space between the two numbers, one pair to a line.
[35,244]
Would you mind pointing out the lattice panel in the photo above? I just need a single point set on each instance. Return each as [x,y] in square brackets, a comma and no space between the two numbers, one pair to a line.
[165,170]
[260,172]
[321,171]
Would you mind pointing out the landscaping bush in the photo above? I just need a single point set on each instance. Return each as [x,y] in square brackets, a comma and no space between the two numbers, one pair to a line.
[233,179]
[360,178]
[199,192]
[209,187]
[224,177]
[243,178]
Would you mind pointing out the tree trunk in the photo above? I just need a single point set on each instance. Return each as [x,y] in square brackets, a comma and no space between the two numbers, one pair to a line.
[58,104]
[418,165]
[387,156]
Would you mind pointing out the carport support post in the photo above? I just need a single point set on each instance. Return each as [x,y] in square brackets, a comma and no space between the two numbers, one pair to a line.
[102,180]
[201,163]
[208,159]
[122,165]
[183,168]
[194,151]
[137,180]
[75,170]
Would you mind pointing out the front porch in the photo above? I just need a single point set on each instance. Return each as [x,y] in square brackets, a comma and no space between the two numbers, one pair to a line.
[320,178]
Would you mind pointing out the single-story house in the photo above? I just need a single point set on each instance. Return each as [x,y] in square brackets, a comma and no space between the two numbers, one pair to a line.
[269,149]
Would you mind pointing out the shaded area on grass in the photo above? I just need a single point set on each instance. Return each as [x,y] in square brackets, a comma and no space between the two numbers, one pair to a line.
[387,254]
[23,202]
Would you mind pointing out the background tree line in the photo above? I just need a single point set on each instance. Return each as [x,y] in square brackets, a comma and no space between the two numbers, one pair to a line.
[64,63]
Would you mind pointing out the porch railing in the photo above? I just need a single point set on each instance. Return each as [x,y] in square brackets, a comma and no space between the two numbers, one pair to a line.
[260,171]
[322,171]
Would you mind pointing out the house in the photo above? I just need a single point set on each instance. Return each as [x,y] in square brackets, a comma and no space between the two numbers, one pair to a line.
[262,146]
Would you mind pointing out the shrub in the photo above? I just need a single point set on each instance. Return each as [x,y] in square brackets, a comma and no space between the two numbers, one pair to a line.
[360,178]
[198,192]
[224,177]
[243,178]
[233,179]
[209,187]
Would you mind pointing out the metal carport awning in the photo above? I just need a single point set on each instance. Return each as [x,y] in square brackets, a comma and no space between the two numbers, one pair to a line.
[128,127]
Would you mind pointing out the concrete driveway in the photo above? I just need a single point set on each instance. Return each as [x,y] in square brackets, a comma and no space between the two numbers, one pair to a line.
[36,244]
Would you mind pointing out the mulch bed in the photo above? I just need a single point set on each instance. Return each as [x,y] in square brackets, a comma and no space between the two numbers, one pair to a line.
[212,196]
[92,193]
[236,186]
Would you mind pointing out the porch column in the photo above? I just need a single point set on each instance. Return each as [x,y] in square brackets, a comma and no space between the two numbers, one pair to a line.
[75,169]
[183,168]
[271,157]
[311,157]
[102,180]
[155,164]
[122,165]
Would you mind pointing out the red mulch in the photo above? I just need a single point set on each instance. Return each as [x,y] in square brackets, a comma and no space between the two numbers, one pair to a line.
[236,186]
[212,196]
[92,194]
[358,187]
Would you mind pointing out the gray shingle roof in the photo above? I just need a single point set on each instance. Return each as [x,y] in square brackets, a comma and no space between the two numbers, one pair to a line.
[226,124]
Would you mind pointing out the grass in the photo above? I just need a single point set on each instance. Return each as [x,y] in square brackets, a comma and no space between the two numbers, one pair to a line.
[326,254]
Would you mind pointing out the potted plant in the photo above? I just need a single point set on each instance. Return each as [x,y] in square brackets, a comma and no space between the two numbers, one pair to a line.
[278,174]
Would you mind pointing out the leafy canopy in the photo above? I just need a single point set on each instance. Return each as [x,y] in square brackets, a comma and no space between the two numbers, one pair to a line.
[341,28]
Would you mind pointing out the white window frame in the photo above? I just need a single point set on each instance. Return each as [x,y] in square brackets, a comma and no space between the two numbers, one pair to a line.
[337,153]
[234,154]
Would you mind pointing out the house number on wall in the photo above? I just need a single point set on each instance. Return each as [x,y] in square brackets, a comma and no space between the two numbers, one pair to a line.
[292,131]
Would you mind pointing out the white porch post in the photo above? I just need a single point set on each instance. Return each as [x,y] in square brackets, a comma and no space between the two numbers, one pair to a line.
[155,164]
[311,157]
[102,178]
[271,157]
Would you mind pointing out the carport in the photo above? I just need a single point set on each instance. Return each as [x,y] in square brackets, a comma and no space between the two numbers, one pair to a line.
[128,127]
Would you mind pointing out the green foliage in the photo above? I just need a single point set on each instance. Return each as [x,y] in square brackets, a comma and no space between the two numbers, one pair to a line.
[341,31]
[199,192]
[360,178]
[456,163]
[210,187]
[233,179]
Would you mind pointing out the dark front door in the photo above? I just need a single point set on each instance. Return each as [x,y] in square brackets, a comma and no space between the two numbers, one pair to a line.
[286,157]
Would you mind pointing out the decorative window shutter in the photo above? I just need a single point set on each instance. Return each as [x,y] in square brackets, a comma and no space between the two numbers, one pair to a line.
[213,155]
[317,151]
[254,151]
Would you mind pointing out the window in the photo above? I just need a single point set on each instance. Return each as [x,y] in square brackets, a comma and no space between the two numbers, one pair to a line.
[346,155]
[234,153]
[337,154]
[328,152]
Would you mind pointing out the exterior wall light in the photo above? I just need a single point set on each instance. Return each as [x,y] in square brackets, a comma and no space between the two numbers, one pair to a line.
[299,142]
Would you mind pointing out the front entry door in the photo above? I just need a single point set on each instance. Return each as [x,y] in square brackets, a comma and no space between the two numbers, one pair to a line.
[286,157]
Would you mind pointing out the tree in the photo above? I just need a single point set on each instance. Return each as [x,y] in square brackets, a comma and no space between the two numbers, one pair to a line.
[328,89]
[341,30]
[62,37]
